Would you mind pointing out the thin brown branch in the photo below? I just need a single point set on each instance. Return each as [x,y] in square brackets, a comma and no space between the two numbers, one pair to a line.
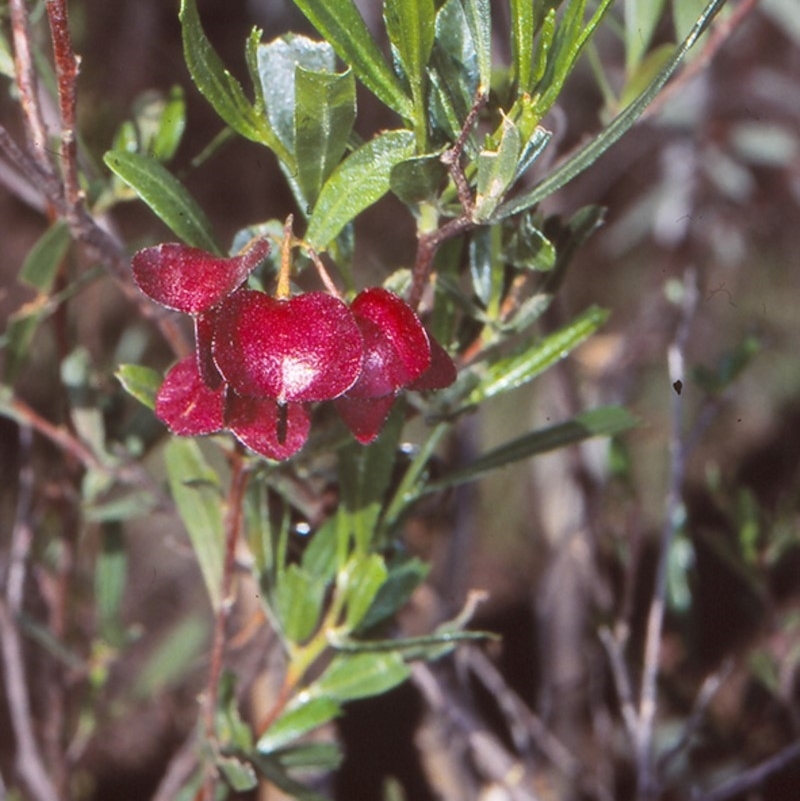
[29,763]
[673,521]
[754,777]
[233,523]
[28,85]
[67,63]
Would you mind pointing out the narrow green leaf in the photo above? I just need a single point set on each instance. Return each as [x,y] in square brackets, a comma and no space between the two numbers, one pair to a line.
[324,113]
[455,74]
[522,32]
[110,576]
[479,19]
[166,196]
[641,18]
[409,25]
[42,262]
[172,123]
[405,575]
[141,382]
[299,600]
[590,152]
[271,767]
[304,714]
[353,676]
[197,495]
[364,475]
[319,557]
[606,421]
[684,15]
[277,63]
[496,171]
[219,87]
[519,368]
[340,24]
[239,775]
[359,583]
[324,756]
[19,334]
[359,181]
[128,507]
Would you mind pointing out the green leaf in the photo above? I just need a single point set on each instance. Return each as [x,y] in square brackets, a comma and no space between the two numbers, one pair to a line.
[418,179]
[405,575]
[324,113]
[319,756]
[606,421]
[239,775]
[519,368]
[359,583]
[128,507]
[110,576]
[364,476]
[359,181]
[195,488]
[409,25]
[304,714]
[496,171]
[522,33]
[340,24]
[590,152]
[166,196]
[353,676]
[641,19]
[298,601]
[479,18]
[684,15]
[528,248]
[277,63]
[455,74]
[319,557]
[220,88]
[644,72]
[172,123]
[141,382]
[42,262]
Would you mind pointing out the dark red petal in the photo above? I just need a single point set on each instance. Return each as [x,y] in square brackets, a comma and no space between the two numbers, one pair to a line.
[364,416]
[382,373]
[274,431]
[307,348]
[186,404]
[191,280]
[203,335]
[441,373]
[401,326]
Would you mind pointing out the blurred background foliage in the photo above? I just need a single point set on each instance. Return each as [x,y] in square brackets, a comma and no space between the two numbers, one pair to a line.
[702,197]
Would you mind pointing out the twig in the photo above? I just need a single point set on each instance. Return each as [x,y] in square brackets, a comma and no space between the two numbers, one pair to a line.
[708,690]
[429,243]
[491,758]
[67,73]
[29,763]
[614,644]
[27,85]
[754,777]
[674,517]
[233,522]
[180,768]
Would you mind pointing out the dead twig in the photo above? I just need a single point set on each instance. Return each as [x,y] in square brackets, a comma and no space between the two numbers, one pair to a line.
[28,762]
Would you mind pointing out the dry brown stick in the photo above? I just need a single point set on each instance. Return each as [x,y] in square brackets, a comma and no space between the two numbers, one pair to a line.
[28,85]
[233,523]
[28,762]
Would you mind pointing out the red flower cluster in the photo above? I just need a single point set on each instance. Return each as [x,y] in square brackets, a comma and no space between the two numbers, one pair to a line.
[260,361]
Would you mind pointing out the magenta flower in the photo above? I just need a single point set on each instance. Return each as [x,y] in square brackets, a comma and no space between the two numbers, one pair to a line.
[397,353]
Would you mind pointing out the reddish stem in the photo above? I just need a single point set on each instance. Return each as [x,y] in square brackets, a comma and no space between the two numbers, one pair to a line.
[233,523]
